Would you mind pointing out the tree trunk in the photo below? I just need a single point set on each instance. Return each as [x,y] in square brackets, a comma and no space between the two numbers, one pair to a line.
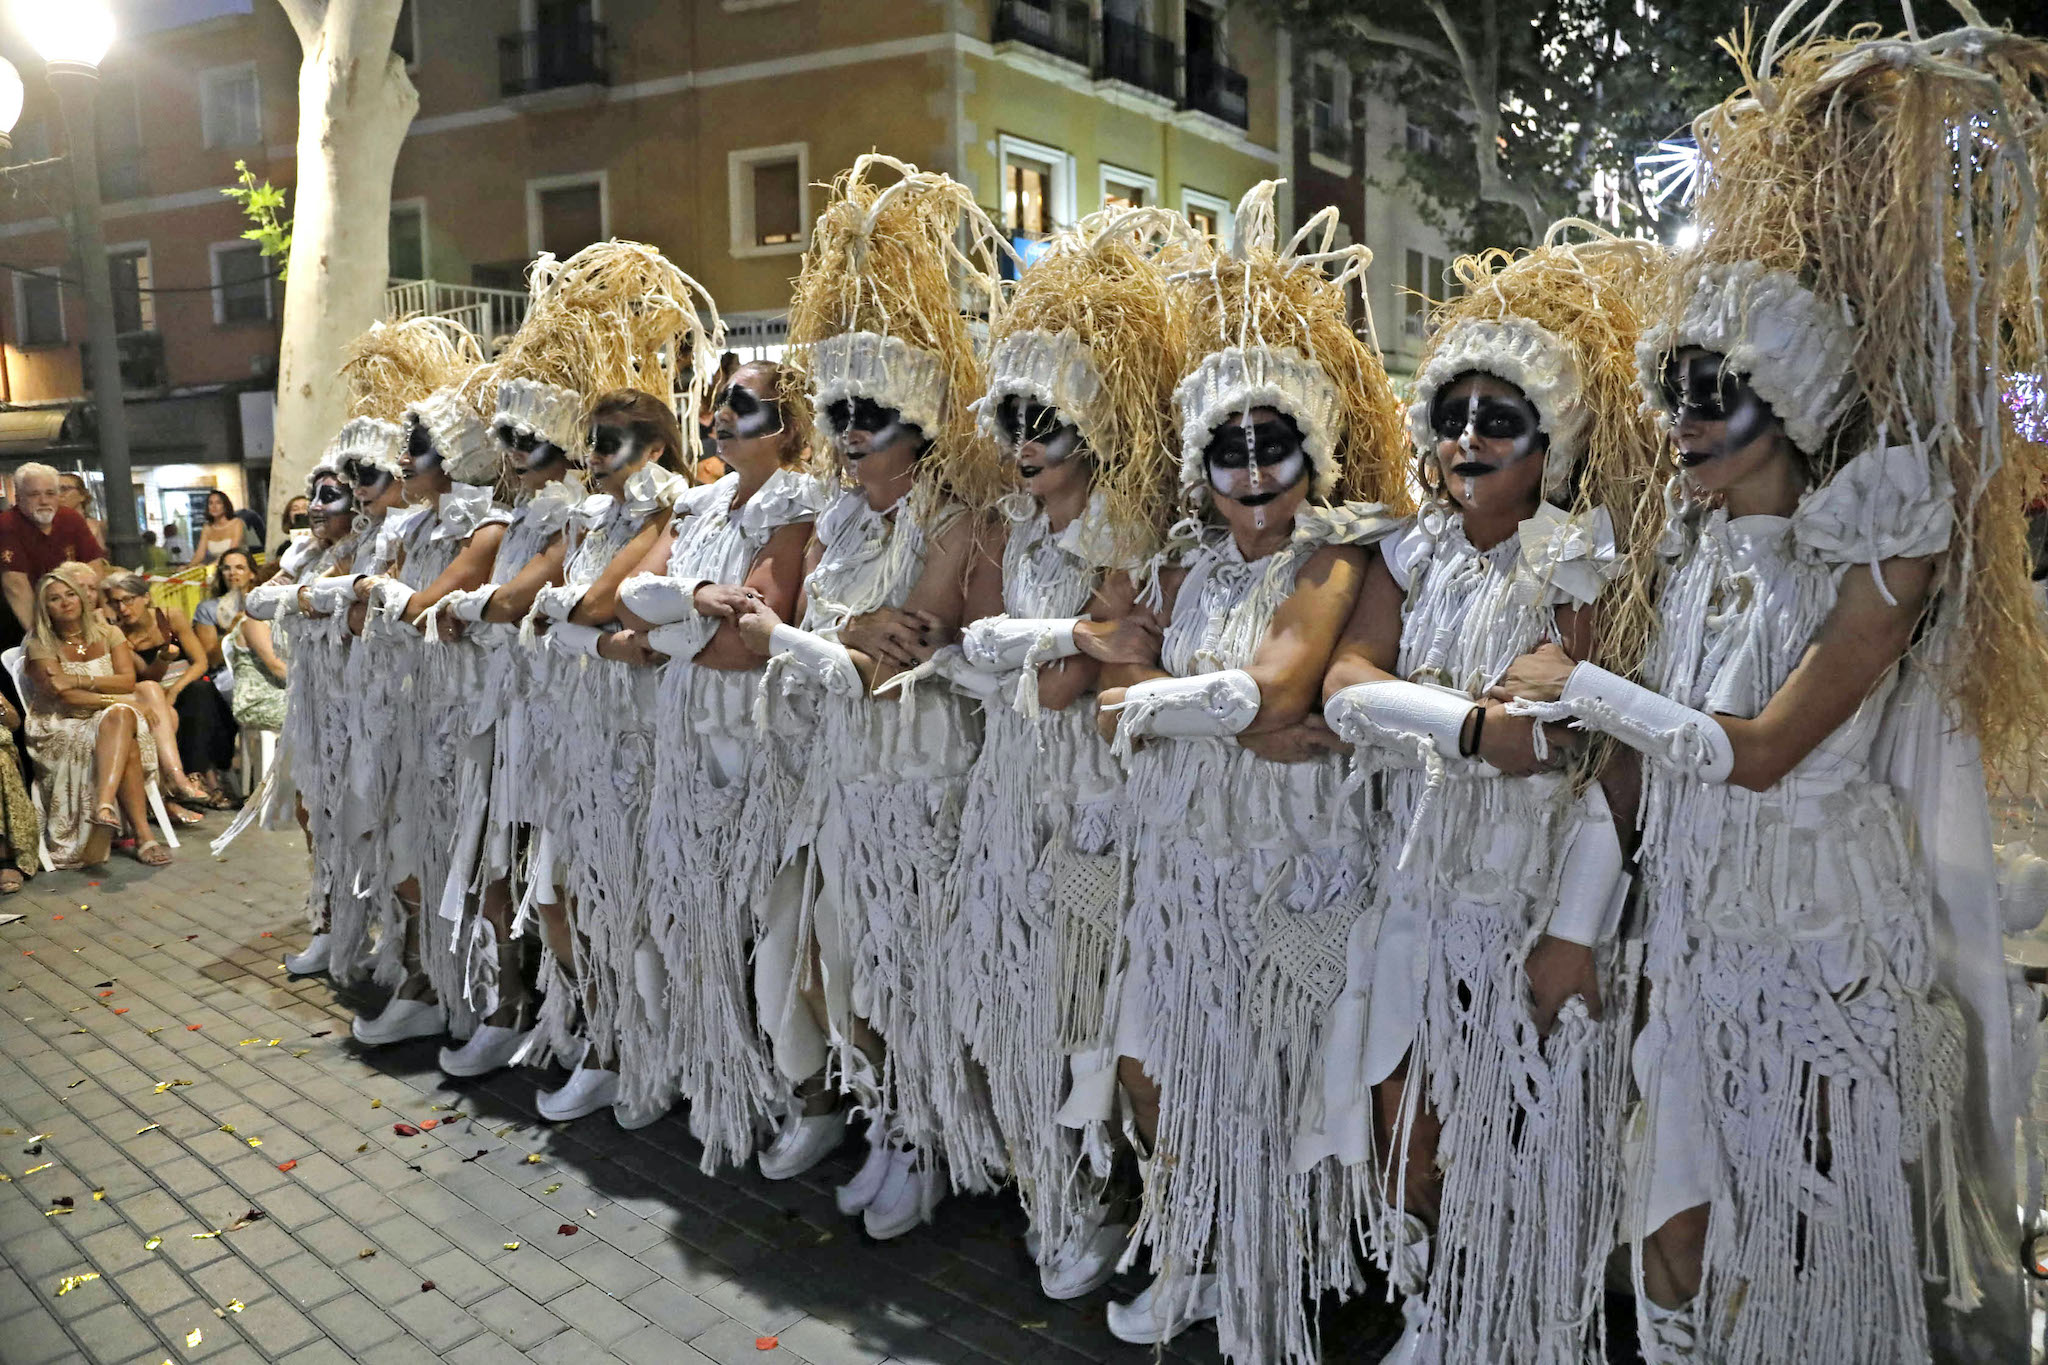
[355,104]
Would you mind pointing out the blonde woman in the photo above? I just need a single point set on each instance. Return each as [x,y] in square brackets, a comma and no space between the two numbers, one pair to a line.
[93,753]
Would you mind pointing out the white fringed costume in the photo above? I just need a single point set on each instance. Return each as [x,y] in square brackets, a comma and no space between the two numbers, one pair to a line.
[872,842]
[593,740]
[1246,893]
[1791,974]
[720,799]
[1473,867]
[1040,890]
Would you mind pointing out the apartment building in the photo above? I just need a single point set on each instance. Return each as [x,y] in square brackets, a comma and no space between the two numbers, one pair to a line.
[702,126]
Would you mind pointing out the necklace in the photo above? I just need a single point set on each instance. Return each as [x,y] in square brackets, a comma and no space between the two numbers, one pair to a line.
[78,646]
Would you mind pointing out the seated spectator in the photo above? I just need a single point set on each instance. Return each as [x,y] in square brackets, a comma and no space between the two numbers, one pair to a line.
[164,646]
[155,558]
[93,754]
[20,828]
[223,531]
[259,667]
[206,725]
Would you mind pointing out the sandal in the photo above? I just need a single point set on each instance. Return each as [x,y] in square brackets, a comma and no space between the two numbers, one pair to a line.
[182,818]
[220,801]
[106,817]
[150,853]
[11,880]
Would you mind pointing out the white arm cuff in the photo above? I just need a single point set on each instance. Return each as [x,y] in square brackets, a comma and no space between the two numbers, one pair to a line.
[1649,722]
[469,605]
[388,599]
[1001,643]
[556,601]
[683,639]
[824,660]
[571,638]
[660,600]
[1371,712]
[951,665]
[1208,704]
[269,601]
[1591,886]
[331,596]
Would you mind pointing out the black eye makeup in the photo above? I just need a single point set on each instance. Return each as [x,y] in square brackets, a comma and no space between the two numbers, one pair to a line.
[861,414]
[1700,387]
[1021,420]
[1256,464]
[608,441]
[419,442]
[1492,419]
[751,417]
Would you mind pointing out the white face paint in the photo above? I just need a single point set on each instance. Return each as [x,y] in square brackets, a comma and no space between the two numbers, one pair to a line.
[1035,435]
[1702,396]
[1253,461]
[743,415]
[529,452]
[861,426]
[1482,432]
[420,457]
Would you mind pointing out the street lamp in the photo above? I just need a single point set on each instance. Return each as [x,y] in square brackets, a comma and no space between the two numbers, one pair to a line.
[72,36]
[10,103]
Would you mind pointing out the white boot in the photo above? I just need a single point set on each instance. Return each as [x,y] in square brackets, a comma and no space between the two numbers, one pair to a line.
[589,1089]
[402,1019]
[1666,1335]
[1165,1309]
[314,960]
[803,1142]
[856,1194]
[1086,1261]
[1410,1275]
[908,1195]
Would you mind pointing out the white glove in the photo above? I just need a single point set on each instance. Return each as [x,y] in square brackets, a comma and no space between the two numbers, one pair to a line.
[331,596]
[1591,887]
[556,601]
[824,660]
[468,604]
[388,599]
[683,639]
[660,600]
[1208,704]
[267,602]
[953,666]
[1649,722]
[1370,712]
[571,638]
[1001,643]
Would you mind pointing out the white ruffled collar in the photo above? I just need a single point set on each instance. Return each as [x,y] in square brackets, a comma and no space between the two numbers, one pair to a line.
[461,510]
[647,490]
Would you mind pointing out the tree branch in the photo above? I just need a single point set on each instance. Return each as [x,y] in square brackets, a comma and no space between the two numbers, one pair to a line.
[1372,32]
[1482,83]
[306,17]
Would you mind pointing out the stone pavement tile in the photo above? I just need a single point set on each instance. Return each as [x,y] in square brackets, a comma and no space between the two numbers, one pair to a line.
[114,1249]
[383,1277]
[732,1343]
[152,1212]
[154,1287]
[607,1267]
[689,1267]
[489,1350]
[764,1310]
[596,1314]
[824,1343]
[674,1309]
[305,1281]
[539,1276]
[355,1323]
[652,1346]
[41,1252]
[319,1353]
[276,1326]
[231,1278]
[434,1319]
[460,1278]
[1002,1338]
[334,1240]
[413,1240]
[570,1348]
[294,1208]
[262,1243]
[518,1319]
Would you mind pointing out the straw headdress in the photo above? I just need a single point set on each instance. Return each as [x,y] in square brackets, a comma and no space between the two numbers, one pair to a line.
[387,370]
[1869,210]
[876,314]
[1560,323]
[616,315]
[1264,326]
[1085,331]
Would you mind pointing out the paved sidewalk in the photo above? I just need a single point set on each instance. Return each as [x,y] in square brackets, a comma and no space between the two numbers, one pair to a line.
[158,1069]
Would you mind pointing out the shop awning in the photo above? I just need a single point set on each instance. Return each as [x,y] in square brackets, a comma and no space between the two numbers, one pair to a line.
[26,433]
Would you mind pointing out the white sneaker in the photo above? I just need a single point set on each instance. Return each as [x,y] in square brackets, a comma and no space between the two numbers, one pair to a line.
[633,1116]
[1417,1344]
[314,960]
[805,1140]
[1147,1321]
[1085,1263]
[907,1197]
[489,1049]
[856,1194]
[589,1089]
[1668,1335]
[402,1019]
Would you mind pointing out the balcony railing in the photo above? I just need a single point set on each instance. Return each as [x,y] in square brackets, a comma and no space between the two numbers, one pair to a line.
[1218,91]
[1058,27]
[142,360]
[489,313]
[1135,55]
[552,57]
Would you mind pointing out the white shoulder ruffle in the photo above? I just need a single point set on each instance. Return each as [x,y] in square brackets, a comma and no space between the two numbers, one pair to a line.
[1410,546]
[788,496]
[1345,523]
[1886,503]
[549,510]
[1574,555]
[463,509]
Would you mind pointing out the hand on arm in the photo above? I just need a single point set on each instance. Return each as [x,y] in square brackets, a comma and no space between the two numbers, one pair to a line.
[774,580]
[510,603]
[1116,631]
[471,568]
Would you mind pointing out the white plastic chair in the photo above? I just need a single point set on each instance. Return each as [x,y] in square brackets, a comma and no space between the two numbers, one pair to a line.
[258,750]
[12,660]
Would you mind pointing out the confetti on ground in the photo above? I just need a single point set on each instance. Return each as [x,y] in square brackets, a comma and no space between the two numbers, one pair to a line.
[153,1032]
[252,1216]
[287,1165]
[99,1194]
[124,1010]
[767,1343]
[152,1244]
[426,1286]
[105,994]
[366,1253]
[533,1158]
[75,1084]
[234,1305]
[511,1246]
[255,1142]
[405,1130]
[567,1230]
[246,1041]
[427,1125]
[202,1236]
[193,1338]
[300,1051]
[552,1188]
[364,1148]
[191,1028]
[44,1167]
[71,1282]
[266,933]
[321,1034]
[64,1201]
[376,1104]
[52,1213]
[227,1127]
[150,1129]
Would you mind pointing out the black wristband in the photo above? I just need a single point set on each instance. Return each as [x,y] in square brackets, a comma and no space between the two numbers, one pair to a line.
[1478,719]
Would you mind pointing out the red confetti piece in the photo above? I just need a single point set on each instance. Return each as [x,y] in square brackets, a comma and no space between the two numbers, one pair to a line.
[122,1010]
[767,1343]
[92,883]
[426,1286]
[190,937]
[405,1130]
[56,917]
[105,994]
[567,1230]
[287,1165]
[191,1028]
[427,1125]
[266,933]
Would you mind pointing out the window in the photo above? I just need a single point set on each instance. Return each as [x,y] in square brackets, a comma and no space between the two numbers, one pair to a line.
[1322,100]
[241,283]
[1027,197]
[768,197]
[566,213]
[39,309]
[408,240]
[1209,213]
[1426,284]
[229,112]
[1122,189]
[134,304]
[1423,141]
[118,123]
[405,39]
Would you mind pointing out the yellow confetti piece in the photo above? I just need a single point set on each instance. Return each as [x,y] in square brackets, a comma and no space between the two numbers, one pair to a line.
[300,1051]
[193,1338]
[255,1142]
[364,1148]
[552,1188]
[376,1104]
[75,1084]
[202,1236]
[511,1246]
[246,1041]
[52,1213]
[149,1129]
[44,1167]
[273,1042]
[153,1032]
[366,1253]
[6,1179]
[71,1282]
[227,1127]
[234,1305]
[533,1158]
[152,1244]
[39,1137]
[7,1132]
[99,1194]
